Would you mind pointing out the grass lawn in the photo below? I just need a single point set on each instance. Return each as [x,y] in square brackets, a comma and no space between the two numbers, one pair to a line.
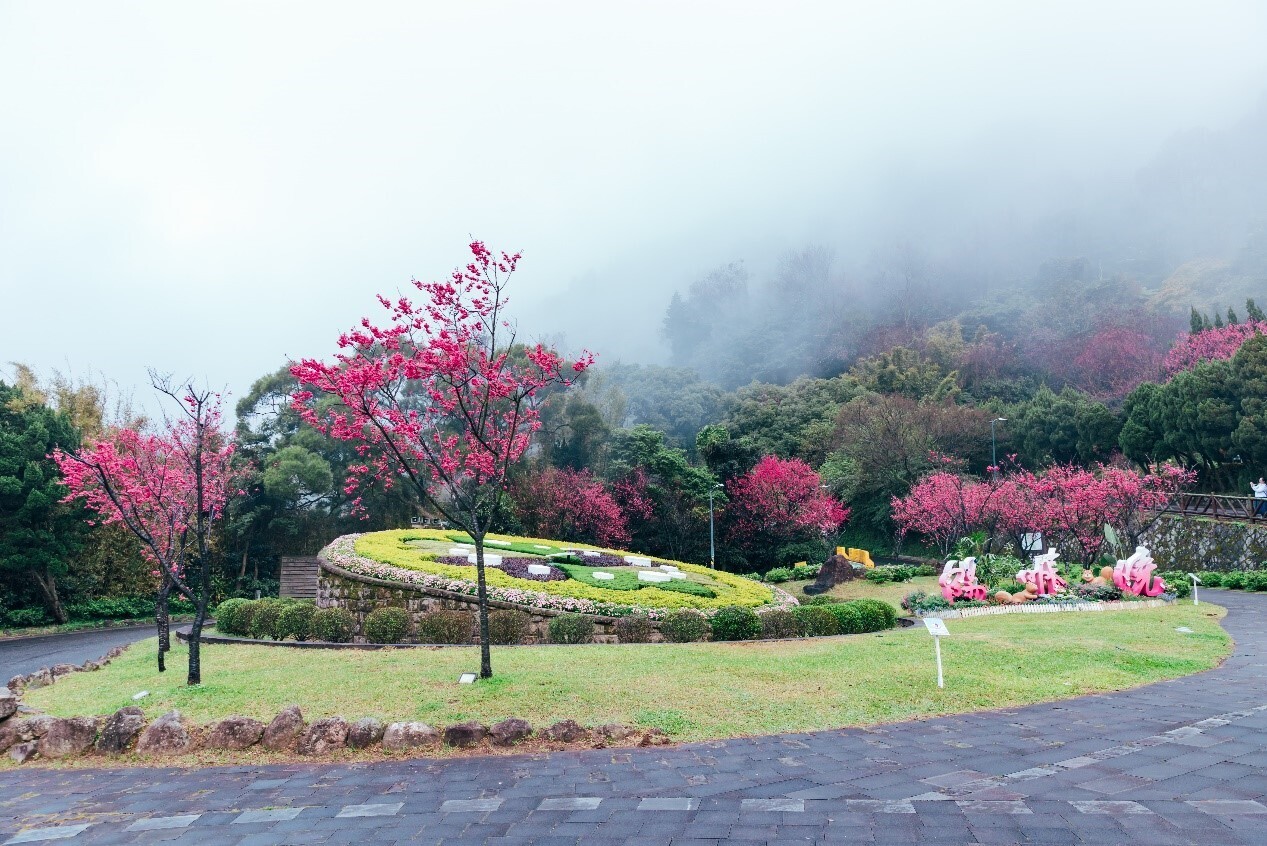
[694,692]
[890,592]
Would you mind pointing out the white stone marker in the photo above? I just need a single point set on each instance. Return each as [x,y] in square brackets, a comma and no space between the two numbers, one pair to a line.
[489,560]
[538,570]
[601,576]
[653,576]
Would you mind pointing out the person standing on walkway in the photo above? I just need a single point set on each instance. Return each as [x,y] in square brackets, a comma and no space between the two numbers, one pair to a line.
[1260,497]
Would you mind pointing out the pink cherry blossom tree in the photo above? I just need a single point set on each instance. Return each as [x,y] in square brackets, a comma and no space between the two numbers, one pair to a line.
[569,505]
[168,488]
[779,500]
[439,395]
[1215,344]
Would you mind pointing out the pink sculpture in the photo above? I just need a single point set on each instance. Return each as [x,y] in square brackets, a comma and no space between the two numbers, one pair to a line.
[1043,575]
[1135,574]
[959,581]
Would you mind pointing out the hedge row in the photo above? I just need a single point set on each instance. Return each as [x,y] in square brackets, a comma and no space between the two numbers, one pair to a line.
[281,619]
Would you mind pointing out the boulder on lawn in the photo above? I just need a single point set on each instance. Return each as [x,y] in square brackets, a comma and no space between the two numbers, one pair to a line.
[284,731]
[59,670]
[409,736]
[121,730]
[39,678]
[165,736]
[90,666]
[33,728]
[654,737]
[17,684]
[465,735]
[509,732]
[838,569]
[323,736]
[566,731]
[363,734]
[235,733]
[615,732]
[67,737]
[9,734]
[24,752]
[8,703]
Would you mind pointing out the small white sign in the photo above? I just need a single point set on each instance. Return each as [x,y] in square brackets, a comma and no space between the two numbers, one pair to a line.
[141,695]
[936,627]
[466,678]
[1184,630]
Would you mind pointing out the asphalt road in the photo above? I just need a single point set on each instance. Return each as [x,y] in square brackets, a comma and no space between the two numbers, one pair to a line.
[25,655]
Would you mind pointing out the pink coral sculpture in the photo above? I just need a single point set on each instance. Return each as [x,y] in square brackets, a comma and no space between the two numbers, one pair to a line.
[959,581]
[1043,575]
[1135,574]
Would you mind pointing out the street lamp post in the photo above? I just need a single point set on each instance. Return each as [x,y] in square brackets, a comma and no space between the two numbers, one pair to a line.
[712,545]
[994,458]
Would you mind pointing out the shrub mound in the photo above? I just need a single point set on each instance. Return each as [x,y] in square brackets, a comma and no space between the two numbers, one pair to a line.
[446,627]
[736,623]
[634,629]
[571,628]
[685,626]
[296,621]
[507,627]
[386,625]
[333,625]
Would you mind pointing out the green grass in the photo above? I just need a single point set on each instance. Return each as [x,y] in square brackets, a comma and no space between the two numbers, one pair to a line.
[694,691]
[890,592]
[514,546]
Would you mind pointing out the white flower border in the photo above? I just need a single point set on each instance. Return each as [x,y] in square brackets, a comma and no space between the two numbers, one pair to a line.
[1047,608]
[341,552]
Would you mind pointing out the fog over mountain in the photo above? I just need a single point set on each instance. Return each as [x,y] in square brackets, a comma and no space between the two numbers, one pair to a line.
[208,191]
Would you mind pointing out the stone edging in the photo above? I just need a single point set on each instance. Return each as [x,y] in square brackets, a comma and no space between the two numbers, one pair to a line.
[449,594]
[1048,608]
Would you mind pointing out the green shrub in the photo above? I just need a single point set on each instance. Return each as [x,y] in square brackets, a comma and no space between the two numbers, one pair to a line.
[332,625]
[264,620]
[571,628]
[21,618]
[508,626]
[778,623]
[1234,581]
[636,628]
[1177,583]
[242,618]
[1213,579]
[877,575]
[801,572]
[876,615]
[685,626]
[736,623]
[820,599]
[816,621]
[387,625]
[926,570]
[848,617]
[1255,580]
[932,602]
[447,627]
[227,615]
[1010,587]
[778,575]
[296,620]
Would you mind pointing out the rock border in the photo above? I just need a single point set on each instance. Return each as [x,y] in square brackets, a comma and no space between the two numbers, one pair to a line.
[27,735]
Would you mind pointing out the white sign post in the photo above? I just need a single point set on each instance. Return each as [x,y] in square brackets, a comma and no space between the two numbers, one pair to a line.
[1196,580]
[937,628]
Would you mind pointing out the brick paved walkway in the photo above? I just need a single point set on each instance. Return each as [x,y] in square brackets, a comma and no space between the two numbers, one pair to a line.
[1181,762]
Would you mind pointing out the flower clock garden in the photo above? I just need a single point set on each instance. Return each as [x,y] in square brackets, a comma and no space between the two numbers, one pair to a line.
[418,586]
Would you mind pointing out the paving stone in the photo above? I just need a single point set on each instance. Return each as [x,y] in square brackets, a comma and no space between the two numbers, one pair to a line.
[470,805]
[370,810]
[570,803]
[155,823]
[775,804]
[1109,806]
[267,815]
[38,835]
[1222,807]
[659,803]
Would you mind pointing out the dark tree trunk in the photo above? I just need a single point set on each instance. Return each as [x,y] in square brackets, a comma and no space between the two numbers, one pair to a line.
[163,621]
[48,586]
[486,658]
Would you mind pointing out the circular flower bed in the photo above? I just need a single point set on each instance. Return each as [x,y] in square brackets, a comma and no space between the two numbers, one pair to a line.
[423,558]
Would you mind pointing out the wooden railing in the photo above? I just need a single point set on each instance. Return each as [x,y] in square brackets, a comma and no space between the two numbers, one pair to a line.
[1218,506]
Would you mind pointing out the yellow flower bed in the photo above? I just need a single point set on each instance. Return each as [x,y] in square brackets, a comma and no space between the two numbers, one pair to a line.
[391,548]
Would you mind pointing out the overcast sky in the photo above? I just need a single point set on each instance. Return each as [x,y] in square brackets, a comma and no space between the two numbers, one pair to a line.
[209,188]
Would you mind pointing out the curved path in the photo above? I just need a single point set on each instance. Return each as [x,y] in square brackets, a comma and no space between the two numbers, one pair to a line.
[28,654]
[1179,762]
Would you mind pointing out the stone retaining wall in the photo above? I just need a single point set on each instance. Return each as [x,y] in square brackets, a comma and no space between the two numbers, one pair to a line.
[1199,543]
[359,595]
